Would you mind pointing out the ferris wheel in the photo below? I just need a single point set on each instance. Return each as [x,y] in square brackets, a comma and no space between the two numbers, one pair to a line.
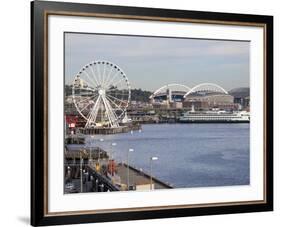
[101,93]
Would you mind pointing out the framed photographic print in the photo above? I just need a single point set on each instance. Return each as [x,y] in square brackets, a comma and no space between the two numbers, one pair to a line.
[142,113]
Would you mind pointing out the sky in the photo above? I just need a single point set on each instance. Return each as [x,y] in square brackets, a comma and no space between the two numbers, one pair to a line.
[152,62]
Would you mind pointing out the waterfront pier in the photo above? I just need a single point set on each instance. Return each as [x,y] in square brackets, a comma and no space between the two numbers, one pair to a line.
[93,171]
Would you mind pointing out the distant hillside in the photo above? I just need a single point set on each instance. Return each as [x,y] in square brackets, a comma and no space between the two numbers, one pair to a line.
[136,94]
[140,95]
[240,92]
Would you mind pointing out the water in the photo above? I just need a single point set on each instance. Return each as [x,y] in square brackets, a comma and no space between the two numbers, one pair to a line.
[189,155]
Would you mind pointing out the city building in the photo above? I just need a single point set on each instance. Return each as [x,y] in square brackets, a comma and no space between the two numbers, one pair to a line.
[210,101]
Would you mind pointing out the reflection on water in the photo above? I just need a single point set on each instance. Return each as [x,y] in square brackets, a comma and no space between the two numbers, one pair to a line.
[189,155]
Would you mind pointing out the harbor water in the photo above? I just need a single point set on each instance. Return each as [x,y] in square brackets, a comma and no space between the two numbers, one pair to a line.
[189,155]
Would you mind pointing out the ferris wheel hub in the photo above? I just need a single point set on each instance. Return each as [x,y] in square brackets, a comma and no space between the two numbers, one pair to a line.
[101,92]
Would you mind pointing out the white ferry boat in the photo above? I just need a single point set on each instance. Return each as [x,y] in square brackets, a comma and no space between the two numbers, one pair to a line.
[215,116]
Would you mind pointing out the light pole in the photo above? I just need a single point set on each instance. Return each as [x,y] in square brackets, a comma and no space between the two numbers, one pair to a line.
[141,171]
[128,169]
[151,159]
[86,174]
[90,158]
[111,163]
[113,145]
[81,172]
[101,140]
[69,173]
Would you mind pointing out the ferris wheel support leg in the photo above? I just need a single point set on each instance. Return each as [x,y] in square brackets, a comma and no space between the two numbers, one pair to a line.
[93,114]
[110,113]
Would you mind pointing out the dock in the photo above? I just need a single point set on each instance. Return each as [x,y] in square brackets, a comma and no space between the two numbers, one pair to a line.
[98,175]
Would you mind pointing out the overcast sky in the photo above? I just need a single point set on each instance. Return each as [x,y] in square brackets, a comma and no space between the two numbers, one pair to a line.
[151,62]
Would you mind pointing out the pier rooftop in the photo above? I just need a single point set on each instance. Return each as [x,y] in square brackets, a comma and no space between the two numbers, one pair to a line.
[139,179]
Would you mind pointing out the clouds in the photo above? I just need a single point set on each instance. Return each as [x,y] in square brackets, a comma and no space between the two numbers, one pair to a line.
[132,46]
[151,62]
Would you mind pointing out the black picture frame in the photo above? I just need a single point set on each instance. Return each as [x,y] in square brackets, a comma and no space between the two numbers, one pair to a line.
[39,109]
